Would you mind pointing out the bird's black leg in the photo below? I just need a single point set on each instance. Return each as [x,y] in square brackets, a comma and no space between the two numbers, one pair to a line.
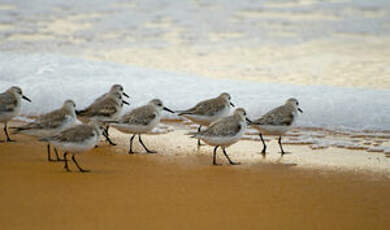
[75,162]
[199,144]
[6,133]
[57,155]
[215,156]
[230,161]
[66,167]
[140,141]
[105,134]
[263,152]
[280,145]
[131,144]
[49,154]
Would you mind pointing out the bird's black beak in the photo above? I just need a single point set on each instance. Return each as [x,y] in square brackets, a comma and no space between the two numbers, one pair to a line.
[125,102]
[248,121]
[166,109]
[125,94]
[232,104]
[300,110]
[26,98]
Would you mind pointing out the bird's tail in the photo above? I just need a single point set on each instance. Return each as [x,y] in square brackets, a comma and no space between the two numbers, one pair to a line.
[44,139]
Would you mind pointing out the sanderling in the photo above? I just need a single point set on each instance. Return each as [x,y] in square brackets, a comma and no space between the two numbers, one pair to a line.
[141,120]
[277,122]
[50,124]
[208,111]
[77,139]
[224,132]
[115,88]
[105,109]
[10,103]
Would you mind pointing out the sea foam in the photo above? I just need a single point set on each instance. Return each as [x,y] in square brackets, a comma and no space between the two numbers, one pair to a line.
[49,80]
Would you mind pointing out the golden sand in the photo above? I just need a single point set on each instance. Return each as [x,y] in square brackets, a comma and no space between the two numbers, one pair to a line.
[178,188]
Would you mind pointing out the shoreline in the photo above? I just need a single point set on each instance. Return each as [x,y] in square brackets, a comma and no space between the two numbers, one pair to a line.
[180,188]
[304,153]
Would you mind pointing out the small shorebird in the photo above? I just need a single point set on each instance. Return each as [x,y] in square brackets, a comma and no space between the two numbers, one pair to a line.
[74,140]
[224,132]
[115,88]
[10,103]
[105,109]
[277,122]
[208,111]
[50,124]
[141,120]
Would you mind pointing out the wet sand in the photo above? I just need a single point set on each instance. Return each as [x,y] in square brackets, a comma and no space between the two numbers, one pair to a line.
[179,189]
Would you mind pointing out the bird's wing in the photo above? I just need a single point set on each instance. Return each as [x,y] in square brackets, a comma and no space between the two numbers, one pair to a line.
[7,102]
[224,127]
[281,115]
[50,120]
[207,107]
[103,108]
[75,134]
[140,116]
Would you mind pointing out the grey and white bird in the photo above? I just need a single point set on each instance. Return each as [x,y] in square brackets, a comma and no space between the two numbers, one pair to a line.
[117,88]
[106,109]
[224,132]
[50,124]
[141,120]
[10,104]
[75,140]
[277,122]
[208,111]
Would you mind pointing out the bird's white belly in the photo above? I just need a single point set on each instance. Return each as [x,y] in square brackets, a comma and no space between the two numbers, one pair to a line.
[6,116]
[129,128]
[273,129]
[224,141]
[77,147]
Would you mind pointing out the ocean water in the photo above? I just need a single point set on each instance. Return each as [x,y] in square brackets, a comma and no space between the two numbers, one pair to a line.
[50,79]
[330,54]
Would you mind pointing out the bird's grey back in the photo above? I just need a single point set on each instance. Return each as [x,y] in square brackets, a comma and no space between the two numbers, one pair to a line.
[75,134]
[208,107]
[105,108]
[51,120]
[139,116]
[227,126]
[282,115]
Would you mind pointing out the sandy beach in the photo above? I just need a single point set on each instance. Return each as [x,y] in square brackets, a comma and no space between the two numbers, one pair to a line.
[332,55]
[179,188]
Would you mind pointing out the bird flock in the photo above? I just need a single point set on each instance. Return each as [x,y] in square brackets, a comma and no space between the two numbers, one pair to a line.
[61,129]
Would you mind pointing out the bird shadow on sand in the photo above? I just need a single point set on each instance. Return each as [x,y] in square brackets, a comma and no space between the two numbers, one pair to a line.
[278,162]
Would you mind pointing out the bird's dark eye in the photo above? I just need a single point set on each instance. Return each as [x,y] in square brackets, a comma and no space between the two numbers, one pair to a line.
[297,103]
[159,104]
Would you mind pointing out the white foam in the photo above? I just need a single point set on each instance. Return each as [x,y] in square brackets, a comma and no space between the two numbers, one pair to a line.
[49,80]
